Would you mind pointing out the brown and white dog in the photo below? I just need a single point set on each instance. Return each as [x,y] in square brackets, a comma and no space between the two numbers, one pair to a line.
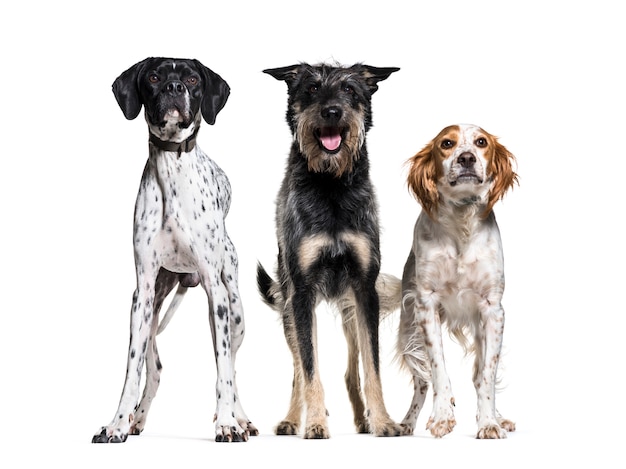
[454,274]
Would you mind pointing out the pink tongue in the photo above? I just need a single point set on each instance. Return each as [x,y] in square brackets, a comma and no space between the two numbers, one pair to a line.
[330,138]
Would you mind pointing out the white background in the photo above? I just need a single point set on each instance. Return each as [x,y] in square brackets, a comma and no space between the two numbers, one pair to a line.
[547,77]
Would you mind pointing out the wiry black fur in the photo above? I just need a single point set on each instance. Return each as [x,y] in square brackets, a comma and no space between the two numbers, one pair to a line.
[327,195]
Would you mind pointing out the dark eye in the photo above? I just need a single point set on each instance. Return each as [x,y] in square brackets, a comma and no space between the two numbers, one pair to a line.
[193,81]
[153,78]
[447,143]
[313,89]
[348,89]
[481,142]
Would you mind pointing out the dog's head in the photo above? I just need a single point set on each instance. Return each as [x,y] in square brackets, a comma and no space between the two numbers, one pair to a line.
[329,111]
[175,93]
[463,164]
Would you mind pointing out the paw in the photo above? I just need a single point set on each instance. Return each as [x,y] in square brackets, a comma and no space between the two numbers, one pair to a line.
[441,427]
[225,434]
[362,426]
[442,421]
[407,428]
[491,432]
[135,431]
[388,428]
[316,432]
[249,428]
[228,430]
[107,435]
[286,428]
[507,425]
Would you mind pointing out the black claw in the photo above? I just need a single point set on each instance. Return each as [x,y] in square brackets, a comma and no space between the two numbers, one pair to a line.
[101,437]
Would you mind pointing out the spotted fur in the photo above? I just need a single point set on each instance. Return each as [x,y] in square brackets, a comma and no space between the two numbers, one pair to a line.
[454,274]
[328,241]
[179,237]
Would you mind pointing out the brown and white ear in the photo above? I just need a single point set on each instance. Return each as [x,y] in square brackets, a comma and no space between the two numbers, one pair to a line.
[422,178]
[503,174]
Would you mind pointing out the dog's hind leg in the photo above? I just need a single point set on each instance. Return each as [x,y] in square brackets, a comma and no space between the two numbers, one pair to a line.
[165,282]
[420,387]
[290,425]
[273,296]
[411,347]
[352,376]
[411,354]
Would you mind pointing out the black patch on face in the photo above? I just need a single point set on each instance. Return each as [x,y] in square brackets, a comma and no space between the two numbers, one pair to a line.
[347,86]
[164,86]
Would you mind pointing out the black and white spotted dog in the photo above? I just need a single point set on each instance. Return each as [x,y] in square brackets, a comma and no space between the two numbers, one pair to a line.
[179,236]
[328,241]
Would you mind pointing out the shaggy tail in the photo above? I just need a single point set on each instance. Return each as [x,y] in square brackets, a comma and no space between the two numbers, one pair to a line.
[269,289]
[388,287]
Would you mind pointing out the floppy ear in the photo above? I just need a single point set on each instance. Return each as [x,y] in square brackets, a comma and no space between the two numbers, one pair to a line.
[126,90]
[422,178]
[216,92]
[373,75]
[503,174]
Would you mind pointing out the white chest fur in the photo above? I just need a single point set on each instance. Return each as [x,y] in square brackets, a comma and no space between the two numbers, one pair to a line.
[180,209]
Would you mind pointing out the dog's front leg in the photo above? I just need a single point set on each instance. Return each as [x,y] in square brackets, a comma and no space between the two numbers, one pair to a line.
[141,317]
[303,302]
[485,371]
[227,428]
[380,424]
[230,277]
[441,421]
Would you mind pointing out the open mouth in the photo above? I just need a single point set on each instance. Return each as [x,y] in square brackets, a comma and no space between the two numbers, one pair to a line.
[330,138]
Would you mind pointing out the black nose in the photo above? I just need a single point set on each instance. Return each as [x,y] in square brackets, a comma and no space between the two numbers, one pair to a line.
[466,159]
[332,113]
[174,87]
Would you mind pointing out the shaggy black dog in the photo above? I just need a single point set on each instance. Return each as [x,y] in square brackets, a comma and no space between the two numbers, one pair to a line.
[328,240]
